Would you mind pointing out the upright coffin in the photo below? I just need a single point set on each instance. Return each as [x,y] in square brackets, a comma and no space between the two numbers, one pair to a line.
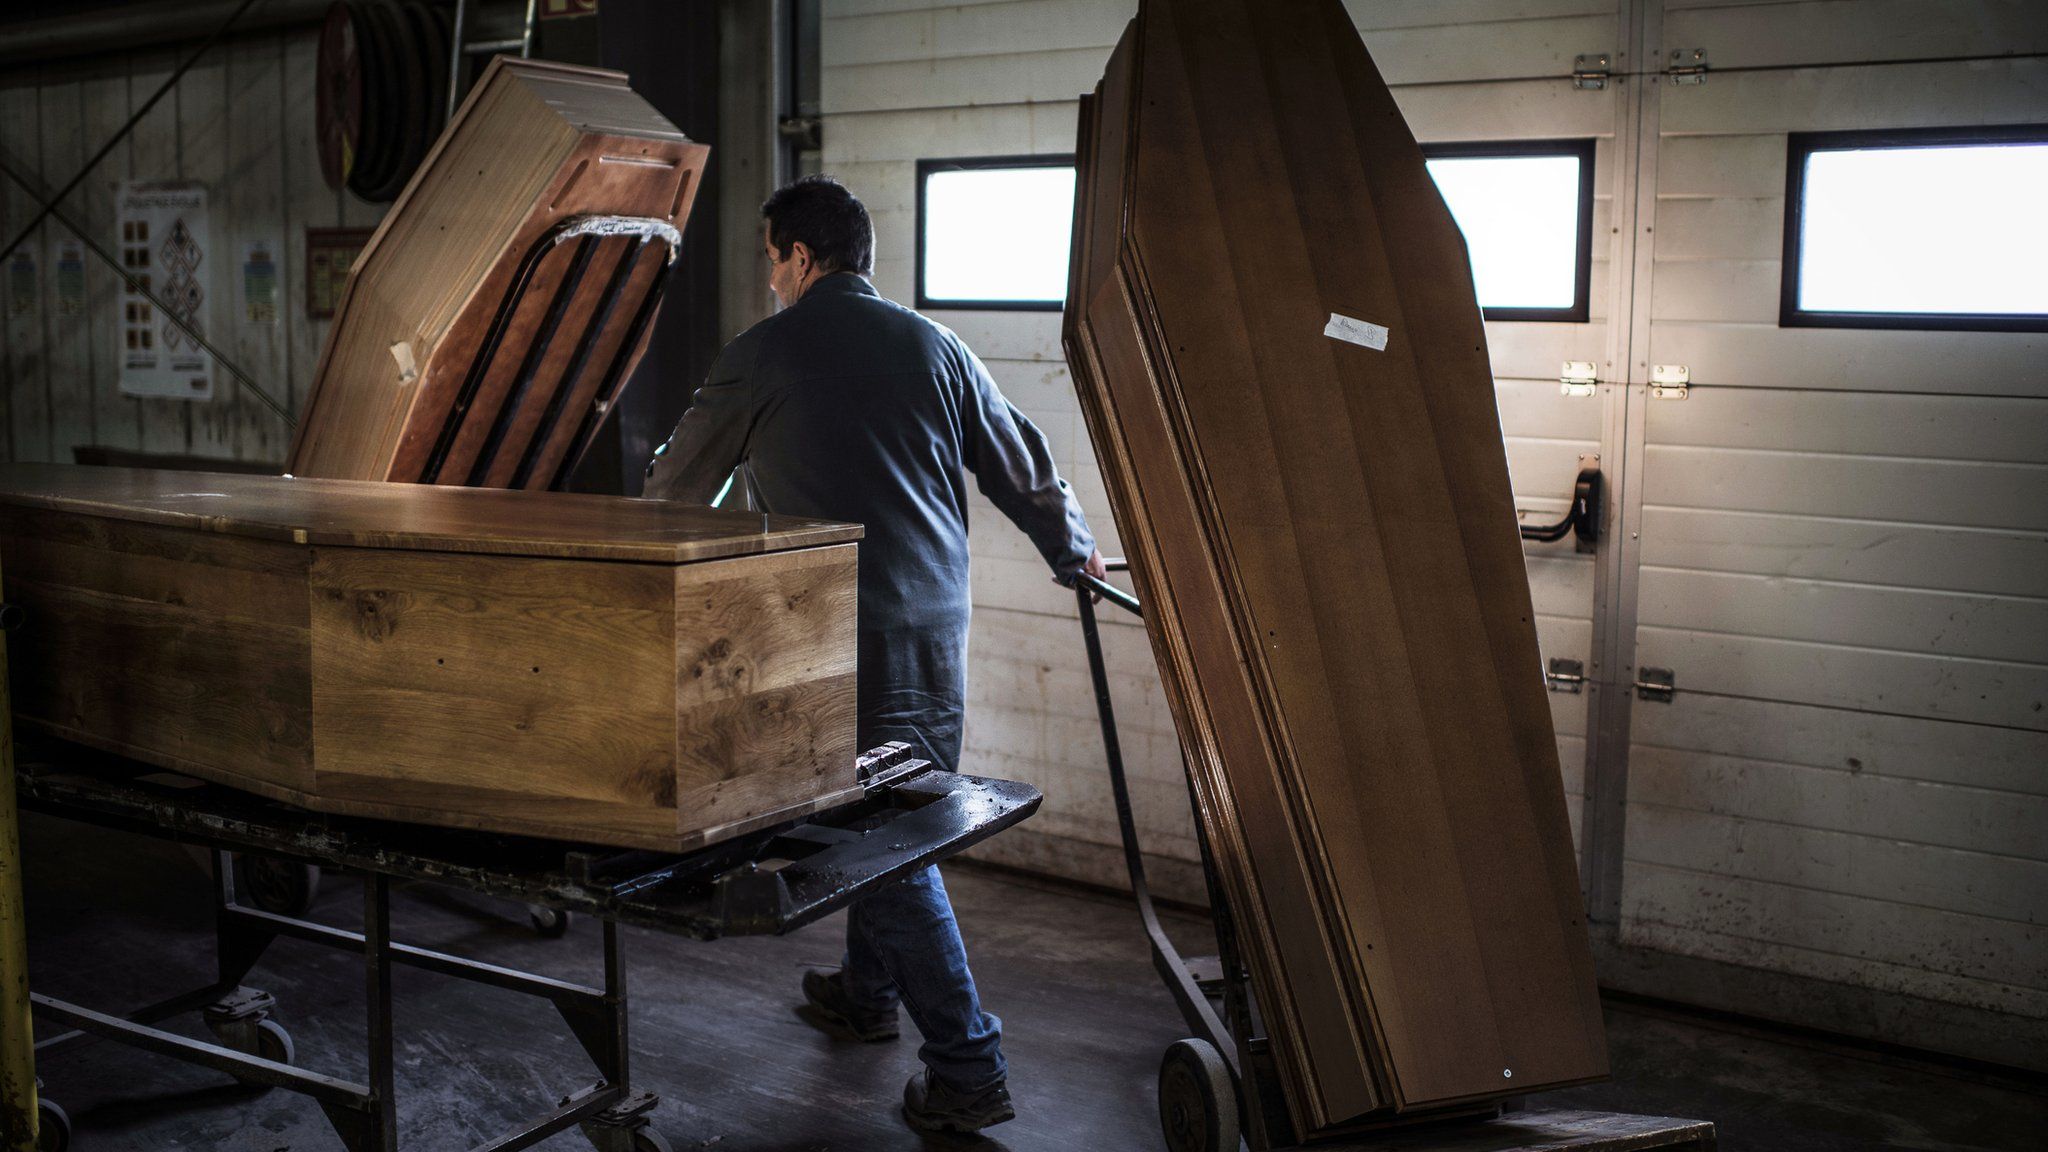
[594,668]
[489,324]
[1323,532]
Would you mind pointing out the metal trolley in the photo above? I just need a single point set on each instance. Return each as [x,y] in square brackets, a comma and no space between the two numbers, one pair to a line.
[1219,1089]
[767,883]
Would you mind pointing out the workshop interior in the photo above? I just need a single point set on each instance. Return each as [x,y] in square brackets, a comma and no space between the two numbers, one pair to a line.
[804,575]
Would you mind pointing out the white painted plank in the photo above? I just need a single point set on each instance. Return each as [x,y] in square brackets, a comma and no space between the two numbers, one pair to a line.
[1729,291]
[1859,31]
[841,9]
[1538,408]
[1936,492]
[1507,110]
[949,32]
[1533,351]
[1720,228]
[1375,15]
[1008,78]
[1985,428]
[1903,748]
[1738,166]
[1561,583]
[1894,683]
[948,133]
[1486,50]
[1545,469]
[1863,551]
[1840,800]
[2011,91]
[1970,883]
[117,419]
[1765,355]
[1870,944]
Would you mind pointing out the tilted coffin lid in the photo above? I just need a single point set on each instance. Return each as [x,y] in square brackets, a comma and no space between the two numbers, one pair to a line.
[497,313]
[374,514]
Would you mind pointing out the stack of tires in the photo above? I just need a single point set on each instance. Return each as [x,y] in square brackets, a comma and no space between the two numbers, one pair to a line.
[383,92]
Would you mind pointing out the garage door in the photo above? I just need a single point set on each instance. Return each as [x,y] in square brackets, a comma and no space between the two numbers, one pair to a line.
[1842,566]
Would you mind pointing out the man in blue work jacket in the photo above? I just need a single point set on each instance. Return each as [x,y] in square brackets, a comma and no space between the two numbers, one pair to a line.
[846,406]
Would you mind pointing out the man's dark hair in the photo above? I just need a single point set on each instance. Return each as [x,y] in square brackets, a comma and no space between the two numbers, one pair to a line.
[830,220]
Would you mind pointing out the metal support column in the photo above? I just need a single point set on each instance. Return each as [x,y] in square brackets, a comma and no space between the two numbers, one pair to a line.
[17,1042]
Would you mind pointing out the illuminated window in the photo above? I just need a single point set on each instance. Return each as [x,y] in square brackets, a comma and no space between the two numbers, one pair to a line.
[1922,228]
[994,233]
[1526,209]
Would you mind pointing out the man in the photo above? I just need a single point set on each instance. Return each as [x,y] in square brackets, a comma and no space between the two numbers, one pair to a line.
[846,406]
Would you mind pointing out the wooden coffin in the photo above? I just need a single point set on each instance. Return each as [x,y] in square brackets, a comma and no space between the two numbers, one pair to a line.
[593,668]
[1323,532]
[428,374]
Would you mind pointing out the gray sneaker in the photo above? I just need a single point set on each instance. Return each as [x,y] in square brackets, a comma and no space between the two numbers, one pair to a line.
[929,1104]
[825,994]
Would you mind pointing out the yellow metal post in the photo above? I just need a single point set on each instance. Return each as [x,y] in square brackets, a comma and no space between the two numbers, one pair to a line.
[17,1043]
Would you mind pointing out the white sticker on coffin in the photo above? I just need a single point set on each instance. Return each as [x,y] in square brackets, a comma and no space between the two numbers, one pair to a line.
[1360,332]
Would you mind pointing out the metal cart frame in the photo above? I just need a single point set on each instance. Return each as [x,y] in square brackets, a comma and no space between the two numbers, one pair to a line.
[1220,1088]
[770,882]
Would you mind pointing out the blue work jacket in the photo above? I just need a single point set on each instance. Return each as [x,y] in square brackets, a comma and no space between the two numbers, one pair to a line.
[847,406]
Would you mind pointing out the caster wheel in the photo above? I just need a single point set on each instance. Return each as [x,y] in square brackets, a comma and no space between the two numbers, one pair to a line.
[53,1128]
[279,886]
[1197,1100]
[647,1140]
[273,1043]
[550,923]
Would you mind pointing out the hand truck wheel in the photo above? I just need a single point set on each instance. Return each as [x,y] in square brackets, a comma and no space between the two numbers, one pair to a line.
[53,1127]
[281,887]
[1197,1100]
[647,1140]
[550,923]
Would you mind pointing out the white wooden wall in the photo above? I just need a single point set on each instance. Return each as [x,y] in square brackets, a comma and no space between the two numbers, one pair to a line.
[1842,559]
[242,122]
[1836,542]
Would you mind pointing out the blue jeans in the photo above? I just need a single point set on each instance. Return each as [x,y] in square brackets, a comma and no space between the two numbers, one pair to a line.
[902,943]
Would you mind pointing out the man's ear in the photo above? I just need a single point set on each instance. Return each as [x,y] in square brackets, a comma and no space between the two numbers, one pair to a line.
[799,249]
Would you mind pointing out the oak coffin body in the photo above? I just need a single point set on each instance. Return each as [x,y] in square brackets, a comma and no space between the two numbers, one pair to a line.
[427,375]
[592,668]
[1324,535]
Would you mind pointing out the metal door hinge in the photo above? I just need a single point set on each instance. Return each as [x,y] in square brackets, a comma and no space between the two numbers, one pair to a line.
[1688,66]
[1565,676]
[1579,378]
[806,132]
[1656,684]
[1589,72]
[1669,381]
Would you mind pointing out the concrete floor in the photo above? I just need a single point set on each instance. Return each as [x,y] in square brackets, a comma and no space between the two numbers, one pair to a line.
[117,922]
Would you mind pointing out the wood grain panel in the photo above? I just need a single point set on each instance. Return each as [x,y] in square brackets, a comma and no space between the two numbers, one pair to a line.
[405,652]
[142,645]
[538,678]
[1323,534]
[372,514]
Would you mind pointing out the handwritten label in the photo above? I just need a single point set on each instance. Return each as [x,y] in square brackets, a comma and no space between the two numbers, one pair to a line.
[1359,332]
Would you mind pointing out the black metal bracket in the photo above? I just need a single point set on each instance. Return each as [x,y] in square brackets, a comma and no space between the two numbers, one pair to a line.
[1583,521]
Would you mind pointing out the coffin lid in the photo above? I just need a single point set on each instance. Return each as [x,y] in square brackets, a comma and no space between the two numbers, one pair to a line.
[374,514]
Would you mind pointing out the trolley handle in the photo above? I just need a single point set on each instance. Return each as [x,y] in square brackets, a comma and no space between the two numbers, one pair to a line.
[1107,591]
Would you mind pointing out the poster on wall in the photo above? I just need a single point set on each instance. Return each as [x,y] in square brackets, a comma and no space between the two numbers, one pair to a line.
[165,245]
